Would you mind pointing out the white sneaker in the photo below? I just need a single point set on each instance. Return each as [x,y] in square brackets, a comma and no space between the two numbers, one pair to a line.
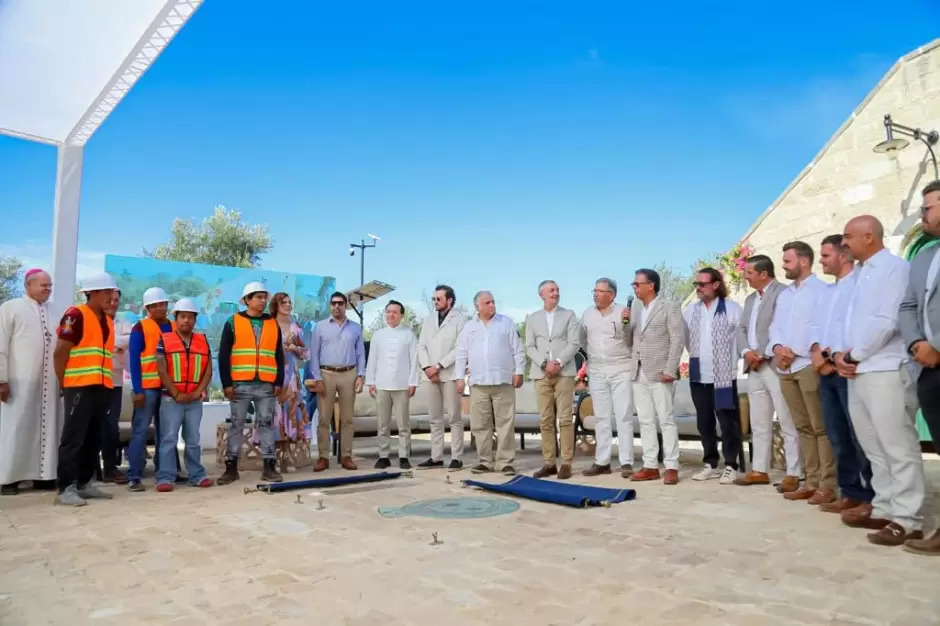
[706,473]
[728,476]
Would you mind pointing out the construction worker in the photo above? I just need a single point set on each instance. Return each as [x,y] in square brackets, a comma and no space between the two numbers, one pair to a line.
[184,363]
[83,366]
[142,358]
[251,368]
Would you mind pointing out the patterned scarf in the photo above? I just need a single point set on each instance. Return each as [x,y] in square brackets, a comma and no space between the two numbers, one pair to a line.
[722,360]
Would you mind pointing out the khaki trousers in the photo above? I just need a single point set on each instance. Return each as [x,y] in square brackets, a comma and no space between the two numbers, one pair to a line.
[493,407]
[344,385]
[801,392]
[556,399]
[443,397]
[385,400]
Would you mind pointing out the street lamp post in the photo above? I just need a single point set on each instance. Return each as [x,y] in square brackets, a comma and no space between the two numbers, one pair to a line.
[892,144]
[362,245]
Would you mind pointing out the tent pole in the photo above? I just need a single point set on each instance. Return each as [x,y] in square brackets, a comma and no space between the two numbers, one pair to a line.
[68,194]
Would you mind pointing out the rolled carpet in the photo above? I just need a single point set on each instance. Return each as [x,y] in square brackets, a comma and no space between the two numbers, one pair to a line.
[554,492]
[333,481]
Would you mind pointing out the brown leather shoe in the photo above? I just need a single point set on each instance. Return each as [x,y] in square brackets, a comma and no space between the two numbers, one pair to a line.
[860,517]
[842,504]
[597,470]
[671,477]
[321,464]
[348,464]
[752,478]
[564,472]
[647,473]
[803,493]
[626,471]
[545,471]
[789,484]
[822,496]
[894,535]
[924,547]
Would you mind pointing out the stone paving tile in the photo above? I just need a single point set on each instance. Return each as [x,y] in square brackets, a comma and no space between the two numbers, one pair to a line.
[693,554]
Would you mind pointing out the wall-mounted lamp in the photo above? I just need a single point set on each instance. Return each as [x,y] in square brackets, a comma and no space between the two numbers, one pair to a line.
[892,144]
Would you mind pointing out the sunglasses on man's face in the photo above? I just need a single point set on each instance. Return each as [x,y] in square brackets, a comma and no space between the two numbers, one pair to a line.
[703,283]
[338,303]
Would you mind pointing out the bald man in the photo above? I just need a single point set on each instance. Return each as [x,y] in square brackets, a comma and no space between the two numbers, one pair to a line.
[872,358]
[29,392]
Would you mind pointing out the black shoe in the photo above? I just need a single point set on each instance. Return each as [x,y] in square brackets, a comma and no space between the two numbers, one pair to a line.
[455,466]
[43,485]
[404,464]
[230,475]
[10,490]
[480,469]
[270,473]
[180,480]
[509,470]
[431,464]
[383,464]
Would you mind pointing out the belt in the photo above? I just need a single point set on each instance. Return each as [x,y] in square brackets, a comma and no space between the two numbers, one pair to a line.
[338,370]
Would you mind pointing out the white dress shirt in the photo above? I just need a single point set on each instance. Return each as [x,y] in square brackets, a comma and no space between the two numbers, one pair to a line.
[645,312]
[393,359]
[752,329]
[705,356]
[794,322]
[604,338]
[549,324]
[831,312]
[871,331]
[493,351]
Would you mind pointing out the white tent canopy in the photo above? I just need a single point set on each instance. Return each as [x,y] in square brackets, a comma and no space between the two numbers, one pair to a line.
[64,66]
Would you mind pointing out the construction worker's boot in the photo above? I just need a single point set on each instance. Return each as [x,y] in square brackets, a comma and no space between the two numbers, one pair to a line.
[270,473]
[231,473]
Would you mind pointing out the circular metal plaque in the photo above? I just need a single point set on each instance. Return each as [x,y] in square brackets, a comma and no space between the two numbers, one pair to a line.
[453,508]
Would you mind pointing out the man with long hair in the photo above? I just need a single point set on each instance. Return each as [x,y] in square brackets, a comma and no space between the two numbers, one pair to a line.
[710,327]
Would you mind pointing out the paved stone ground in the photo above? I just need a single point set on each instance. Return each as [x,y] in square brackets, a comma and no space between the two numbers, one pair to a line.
[701,554]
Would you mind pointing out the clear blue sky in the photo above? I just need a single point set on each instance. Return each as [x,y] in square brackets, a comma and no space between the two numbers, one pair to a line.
[490,144]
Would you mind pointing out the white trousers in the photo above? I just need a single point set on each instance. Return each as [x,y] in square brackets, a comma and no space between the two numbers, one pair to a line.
[885,430]
[765,397]
[654,402]
[613,399]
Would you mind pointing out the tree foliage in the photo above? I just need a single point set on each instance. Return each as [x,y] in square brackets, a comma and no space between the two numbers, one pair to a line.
[674,285]
[222,239]
[10,268]
[414,318]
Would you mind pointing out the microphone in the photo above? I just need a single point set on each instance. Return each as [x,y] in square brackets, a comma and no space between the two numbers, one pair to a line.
[629,307]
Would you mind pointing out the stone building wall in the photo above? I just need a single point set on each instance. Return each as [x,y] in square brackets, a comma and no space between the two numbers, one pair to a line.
[847,178]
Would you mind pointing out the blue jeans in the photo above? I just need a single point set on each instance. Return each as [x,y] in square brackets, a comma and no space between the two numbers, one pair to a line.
[853,468]
[140,426]
[261,395]
[174,416]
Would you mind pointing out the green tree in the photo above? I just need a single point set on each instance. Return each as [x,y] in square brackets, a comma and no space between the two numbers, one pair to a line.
[10,268]
[410,320]
[674,285]
[222,239]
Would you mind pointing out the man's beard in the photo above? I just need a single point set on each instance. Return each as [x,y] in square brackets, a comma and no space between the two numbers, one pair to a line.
[791,274]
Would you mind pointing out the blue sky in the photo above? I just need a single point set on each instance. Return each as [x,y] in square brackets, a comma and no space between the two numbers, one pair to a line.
[490,144]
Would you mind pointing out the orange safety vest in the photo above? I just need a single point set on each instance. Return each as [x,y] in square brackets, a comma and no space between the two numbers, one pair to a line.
[90,360]
[149,377]
[186,364]
[252,359]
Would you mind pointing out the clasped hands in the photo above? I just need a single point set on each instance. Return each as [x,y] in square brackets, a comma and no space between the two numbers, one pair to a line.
[785,356]
[925,354]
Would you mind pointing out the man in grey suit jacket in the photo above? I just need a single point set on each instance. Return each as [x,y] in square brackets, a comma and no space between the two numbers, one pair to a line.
[919,319]
[551,341]
[764,394]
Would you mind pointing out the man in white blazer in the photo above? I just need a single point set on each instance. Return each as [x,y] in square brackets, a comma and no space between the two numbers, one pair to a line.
[437,351]
[551,341]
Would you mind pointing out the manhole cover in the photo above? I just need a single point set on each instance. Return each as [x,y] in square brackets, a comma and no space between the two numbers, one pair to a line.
[453,508]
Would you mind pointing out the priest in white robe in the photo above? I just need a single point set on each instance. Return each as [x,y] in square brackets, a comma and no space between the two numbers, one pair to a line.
[30,415]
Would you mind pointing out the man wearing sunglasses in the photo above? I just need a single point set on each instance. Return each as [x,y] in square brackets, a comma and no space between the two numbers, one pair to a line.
[920,331]
[337,367]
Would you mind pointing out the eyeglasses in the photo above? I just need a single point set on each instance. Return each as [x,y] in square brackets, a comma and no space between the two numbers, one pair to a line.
[924,209]
[596,291]
[338,303]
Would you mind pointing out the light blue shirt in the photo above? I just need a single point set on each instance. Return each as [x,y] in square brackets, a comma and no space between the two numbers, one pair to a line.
[337,345]
[831,312]
[871,328]
[492,351]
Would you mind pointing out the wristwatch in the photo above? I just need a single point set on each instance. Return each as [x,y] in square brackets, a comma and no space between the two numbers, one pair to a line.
[848,359]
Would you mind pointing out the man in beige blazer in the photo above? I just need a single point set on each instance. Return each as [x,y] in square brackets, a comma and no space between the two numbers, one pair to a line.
[658,337]
[551,341]
[437,351]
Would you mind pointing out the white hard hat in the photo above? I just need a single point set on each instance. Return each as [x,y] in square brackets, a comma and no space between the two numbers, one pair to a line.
[99,282]
[155,295]
[185,305]
[253,287]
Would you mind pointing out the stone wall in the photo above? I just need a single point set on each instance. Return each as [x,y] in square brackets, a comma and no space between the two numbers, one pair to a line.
[847,178]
